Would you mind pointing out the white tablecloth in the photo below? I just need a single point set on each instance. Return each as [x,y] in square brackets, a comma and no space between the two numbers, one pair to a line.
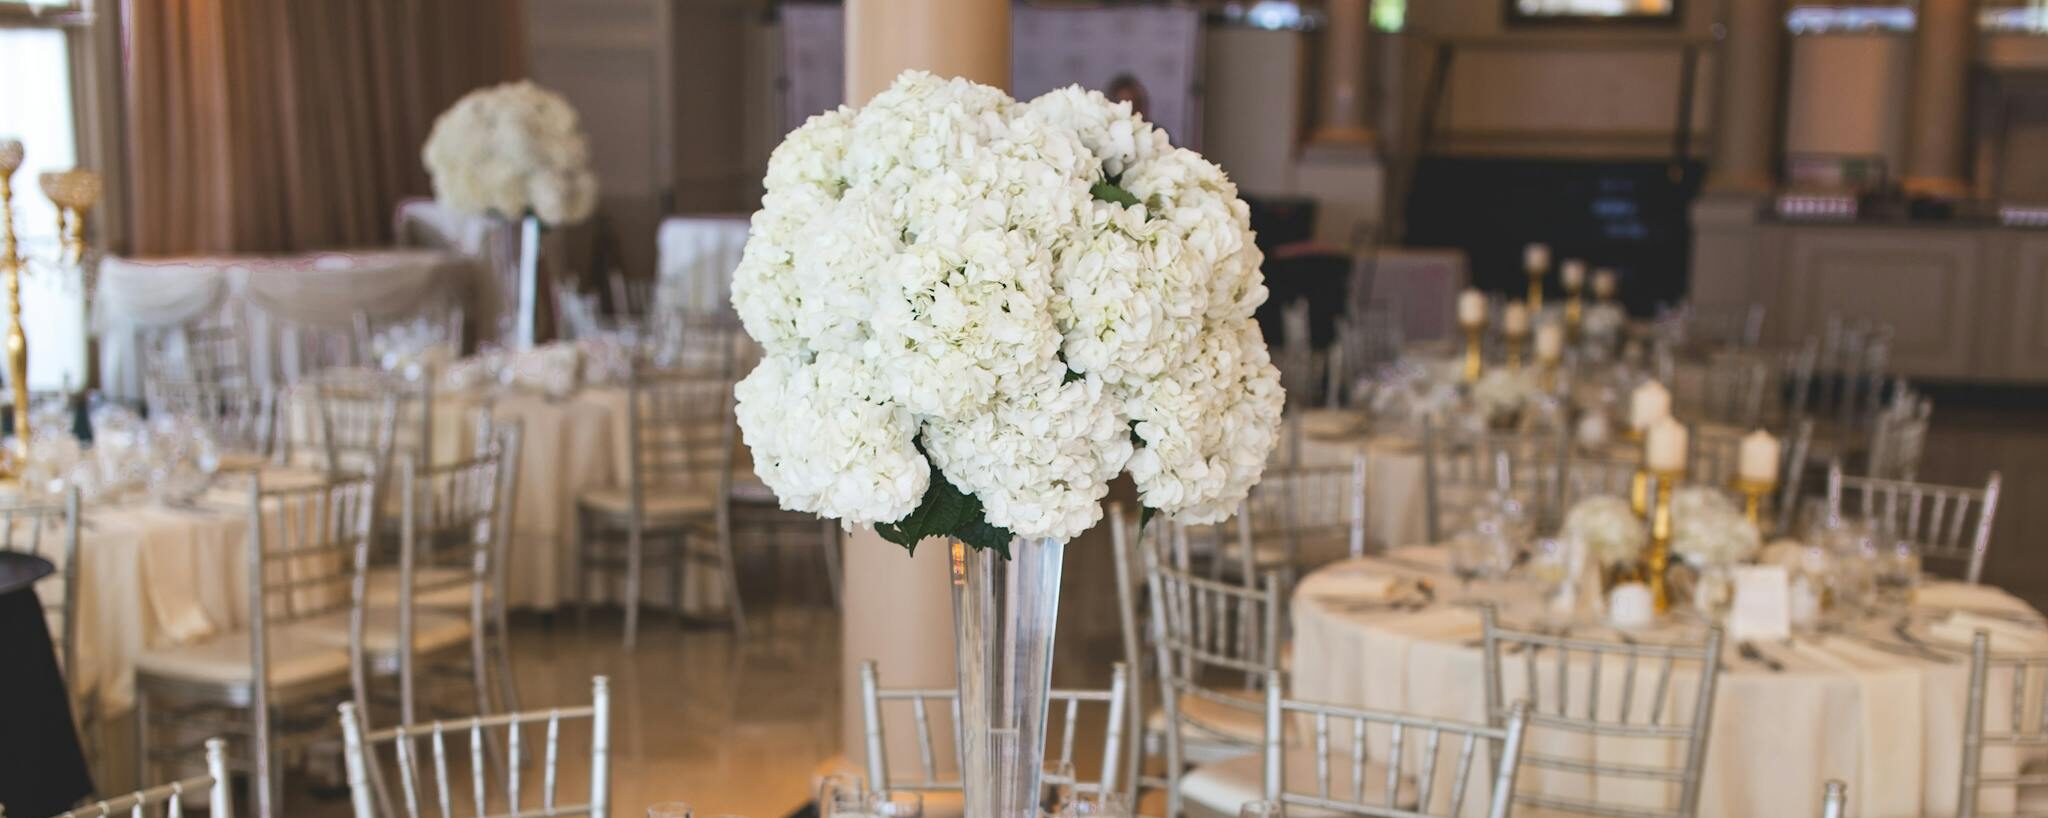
[1889,725]
[276,296]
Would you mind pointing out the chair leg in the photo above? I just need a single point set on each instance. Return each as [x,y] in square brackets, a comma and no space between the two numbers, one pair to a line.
[141,738]
[632,594]
[508,685]
[579,579]
[828,545]
[732,580]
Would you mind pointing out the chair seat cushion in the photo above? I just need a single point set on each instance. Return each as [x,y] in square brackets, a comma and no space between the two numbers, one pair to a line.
[1226,785]
[430,631]
[1218,731]
[659,504]
[295,658]
[436,587]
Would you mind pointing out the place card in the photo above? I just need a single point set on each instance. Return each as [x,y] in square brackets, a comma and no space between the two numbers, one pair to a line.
[1763,603]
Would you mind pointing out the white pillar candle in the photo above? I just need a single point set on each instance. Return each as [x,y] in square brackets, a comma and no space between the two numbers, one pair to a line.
[1758,461]
[1549,342]
[1605,282]
[1573,273]
[1664,448]
[1650,403]
[1471,307]
[1514,319]
[1536,258]
[1630,605]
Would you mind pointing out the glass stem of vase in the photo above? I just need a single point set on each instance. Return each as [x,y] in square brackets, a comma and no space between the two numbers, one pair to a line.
[1004,615]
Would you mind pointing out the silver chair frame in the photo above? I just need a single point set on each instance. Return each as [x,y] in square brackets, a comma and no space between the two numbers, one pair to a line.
[1066,703]
[215,783]
[2019,731]
[1933,516]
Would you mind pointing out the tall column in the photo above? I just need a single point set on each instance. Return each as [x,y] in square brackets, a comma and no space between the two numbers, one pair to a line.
[953,38]
[1944,40]
[898,609]
[1746,129]
[1347,50]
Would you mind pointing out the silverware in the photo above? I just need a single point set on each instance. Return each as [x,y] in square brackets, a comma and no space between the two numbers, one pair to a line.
[1898,649]
[1905,634]
[1748,650]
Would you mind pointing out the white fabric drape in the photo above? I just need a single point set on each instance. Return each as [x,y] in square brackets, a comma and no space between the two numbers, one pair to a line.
[697,257]
[276,298]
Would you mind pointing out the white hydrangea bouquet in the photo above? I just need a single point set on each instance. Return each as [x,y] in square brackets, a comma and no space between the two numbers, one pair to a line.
[511,150]
[1608,529]
[1707,529]
[977,311]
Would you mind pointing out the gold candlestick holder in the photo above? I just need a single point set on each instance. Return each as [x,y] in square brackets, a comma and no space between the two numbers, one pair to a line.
[1753,494]
[1535,289]
[1574,309]
[1547,374]
[1472,360]
[1658,560]
[17,341]
[1639,494]
[1514,345]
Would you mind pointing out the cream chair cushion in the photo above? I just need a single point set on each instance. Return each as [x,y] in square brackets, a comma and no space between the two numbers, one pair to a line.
[434,587]
[1245,729]
[295,658]
[661,504]
[430,631]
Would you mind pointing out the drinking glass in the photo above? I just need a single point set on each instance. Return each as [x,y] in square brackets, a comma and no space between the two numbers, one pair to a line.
[668,809]
[1896,573]
[1259,809]
[1098,805]
[896,804]
[842,802]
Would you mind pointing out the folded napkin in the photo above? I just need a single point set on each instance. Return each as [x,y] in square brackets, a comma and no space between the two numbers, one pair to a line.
[1357,585]
[1961,627]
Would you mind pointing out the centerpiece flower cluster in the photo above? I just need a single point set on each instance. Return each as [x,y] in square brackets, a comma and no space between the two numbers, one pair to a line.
[975,312]
[510,150]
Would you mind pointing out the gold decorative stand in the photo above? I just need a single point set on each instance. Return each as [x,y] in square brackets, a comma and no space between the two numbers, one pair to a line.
[1658,561]
[1753,493]
[1472,339]
[17,342]
[1574,310]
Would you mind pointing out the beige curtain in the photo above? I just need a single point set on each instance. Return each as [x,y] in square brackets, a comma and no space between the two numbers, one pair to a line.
[282,125]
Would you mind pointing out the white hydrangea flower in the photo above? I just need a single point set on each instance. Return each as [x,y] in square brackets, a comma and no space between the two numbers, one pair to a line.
[1708,529]
[1607,528]
[931,276]
[511,150]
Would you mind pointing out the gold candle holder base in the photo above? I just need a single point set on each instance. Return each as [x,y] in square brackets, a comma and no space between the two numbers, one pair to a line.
[1472,362]
[1535,291]
[1753,493]
[1514,344]
[1574,312]
[1658,561]
[1547,377]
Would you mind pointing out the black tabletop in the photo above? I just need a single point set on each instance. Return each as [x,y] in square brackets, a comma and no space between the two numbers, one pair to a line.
[42,766]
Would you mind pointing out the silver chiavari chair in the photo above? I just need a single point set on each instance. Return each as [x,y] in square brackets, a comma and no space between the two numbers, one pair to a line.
[1297,358]
[1949,523]
[211,351]
[1458,471]
[1733,389]
[1125,539]
[241,417]
[630,295]
[302,546]
[1737,326]
[1204,631]
[442,326]
[355,425]
[680,484]
[1373,763]
[2022,726]
[1654,717]
[1849,377]
[441,765]
[1365,341]
[1298,518]
[1834,800]
[934,775]
[170,798]
[50,530]
[1899,437]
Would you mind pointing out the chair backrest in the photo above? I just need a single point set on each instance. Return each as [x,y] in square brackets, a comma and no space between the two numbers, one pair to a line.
[1654,717]
[939,770]
[170,798]
[212,351]
[2004,710]
[1368,338]
[1733,389]
[445,765]
[1951,523]
[1205,628]
[1848,375]
[356,425]
[1410,749]
[696,344]
[50,530]
[1297,358]
[682,432]
[441,326]
[1899,437]
[1459,470]
[240,416]
[1301,504]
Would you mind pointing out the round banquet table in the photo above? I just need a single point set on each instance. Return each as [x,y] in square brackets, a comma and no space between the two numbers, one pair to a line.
[1847,706]
[42,767]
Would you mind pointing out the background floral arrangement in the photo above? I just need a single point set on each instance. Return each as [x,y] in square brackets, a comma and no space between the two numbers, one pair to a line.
[1708,529]
[511,150]
[1607,528]
[977,311]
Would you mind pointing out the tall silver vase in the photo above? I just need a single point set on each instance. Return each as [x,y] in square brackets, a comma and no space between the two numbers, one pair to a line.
[1004,614]
[527,327]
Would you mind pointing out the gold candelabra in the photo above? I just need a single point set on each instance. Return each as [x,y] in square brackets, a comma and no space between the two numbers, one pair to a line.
[1658,561]
[1535,289]
[74,192]
[1753,493]
[1574,309]
[1472,339]
[1514,344]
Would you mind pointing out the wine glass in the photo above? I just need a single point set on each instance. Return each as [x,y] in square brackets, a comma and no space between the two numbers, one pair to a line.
[669,809]
[830,784]
[896,804]
[842,801]
[1098,805]
[1259,809]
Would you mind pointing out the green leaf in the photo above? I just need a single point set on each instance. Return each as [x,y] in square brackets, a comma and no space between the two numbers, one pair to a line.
[1071,377]
[1109,192]
[946,511]
[1145,516]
